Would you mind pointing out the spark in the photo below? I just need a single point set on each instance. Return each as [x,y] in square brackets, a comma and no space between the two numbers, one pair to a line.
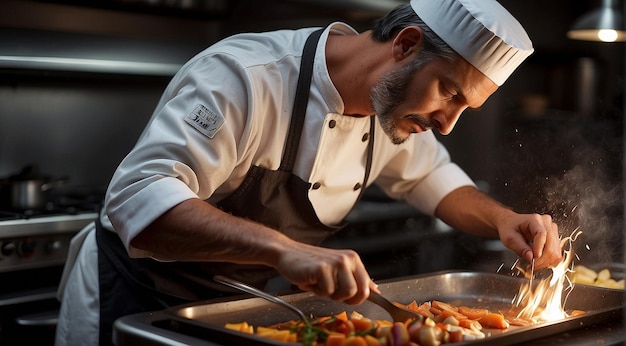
[514,264]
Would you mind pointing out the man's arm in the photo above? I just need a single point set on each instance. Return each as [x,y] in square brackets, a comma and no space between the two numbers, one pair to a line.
[197,231]
[529,235]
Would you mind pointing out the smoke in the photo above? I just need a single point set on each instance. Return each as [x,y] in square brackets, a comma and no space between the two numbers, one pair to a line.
[585,198]
[572,170]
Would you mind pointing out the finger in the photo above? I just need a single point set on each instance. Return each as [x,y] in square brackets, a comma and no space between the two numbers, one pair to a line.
[537,234]
[539,239]
[363,281]
[346,286]
[324,281]
[518,244]
[552,251]
[374,286]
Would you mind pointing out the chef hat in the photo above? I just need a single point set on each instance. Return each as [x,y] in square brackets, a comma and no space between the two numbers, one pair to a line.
[481,31]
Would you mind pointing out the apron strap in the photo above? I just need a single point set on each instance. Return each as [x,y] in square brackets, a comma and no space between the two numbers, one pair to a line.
[301,101]
[370,154]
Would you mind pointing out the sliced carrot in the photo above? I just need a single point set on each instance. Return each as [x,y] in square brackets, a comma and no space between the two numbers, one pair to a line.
[362,324]
[356,315]
[470,324]
[263,330]
[412,306]
[447,313]
[293,338]
[433,310]
[425,306]
[281,335]
[577,312]
[424,310]
[355,340]
[335,339]
[443,306]
[493,320]
[372,341]
[342,316]
[473,313]
[384,323]
[241,327]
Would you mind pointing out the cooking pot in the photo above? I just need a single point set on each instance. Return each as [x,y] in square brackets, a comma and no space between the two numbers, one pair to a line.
[29,189]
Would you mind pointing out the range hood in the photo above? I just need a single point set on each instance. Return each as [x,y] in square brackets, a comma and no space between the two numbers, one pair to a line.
[71,52]
[59,35]
[45,36]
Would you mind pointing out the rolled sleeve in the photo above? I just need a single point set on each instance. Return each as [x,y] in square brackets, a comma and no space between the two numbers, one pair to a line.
[135,213]
[433,188]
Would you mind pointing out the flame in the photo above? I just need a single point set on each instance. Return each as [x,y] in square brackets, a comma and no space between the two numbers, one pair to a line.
[543,301]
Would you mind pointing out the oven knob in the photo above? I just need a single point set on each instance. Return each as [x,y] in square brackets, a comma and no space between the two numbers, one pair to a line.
[26,248]
[53,246]
[8,248]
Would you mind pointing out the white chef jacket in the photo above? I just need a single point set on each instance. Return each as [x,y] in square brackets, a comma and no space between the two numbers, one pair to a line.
[229,108]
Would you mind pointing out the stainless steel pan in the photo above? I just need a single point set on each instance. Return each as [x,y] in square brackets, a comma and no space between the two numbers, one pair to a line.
[205,320]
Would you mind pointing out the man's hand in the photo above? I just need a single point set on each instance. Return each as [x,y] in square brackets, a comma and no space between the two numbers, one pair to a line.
[532,236]
[337,274]
[528,235]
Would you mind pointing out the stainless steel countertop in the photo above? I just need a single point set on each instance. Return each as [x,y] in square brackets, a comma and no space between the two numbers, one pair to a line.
[47,225]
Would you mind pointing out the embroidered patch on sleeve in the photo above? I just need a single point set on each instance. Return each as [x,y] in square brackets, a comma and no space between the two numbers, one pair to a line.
[205,120]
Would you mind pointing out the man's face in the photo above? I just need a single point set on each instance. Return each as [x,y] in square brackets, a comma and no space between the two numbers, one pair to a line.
[420,97]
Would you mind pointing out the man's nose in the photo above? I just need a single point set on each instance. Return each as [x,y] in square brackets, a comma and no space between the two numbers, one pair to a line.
[447,120]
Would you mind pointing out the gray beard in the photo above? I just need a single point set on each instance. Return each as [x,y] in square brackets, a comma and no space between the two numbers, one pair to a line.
[390,91]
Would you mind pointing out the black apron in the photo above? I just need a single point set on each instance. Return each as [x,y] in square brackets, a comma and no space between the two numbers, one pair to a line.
[277,199]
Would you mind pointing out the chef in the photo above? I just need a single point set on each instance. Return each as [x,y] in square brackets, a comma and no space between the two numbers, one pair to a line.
[263,143]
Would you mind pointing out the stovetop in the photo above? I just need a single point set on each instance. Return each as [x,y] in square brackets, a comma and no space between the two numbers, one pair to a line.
[40,238]
[60,204]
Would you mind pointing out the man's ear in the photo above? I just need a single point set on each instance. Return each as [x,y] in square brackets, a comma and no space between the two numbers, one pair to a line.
[407,42]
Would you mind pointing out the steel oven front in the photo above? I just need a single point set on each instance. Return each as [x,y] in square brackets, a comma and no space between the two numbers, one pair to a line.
[33,251]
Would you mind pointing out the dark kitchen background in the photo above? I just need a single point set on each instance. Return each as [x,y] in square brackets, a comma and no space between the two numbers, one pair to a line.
[79,80]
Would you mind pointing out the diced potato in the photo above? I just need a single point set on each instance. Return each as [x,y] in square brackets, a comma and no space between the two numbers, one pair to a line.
[241,327]
[604,275]
[584,275]
[583,279]
[582,270]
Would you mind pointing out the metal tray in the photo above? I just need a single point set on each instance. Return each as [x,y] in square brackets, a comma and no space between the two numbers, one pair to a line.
[205,320]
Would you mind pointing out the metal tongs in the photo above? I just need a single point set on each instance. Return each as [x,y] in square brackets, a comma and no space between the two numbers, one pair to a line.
[398,314]
[532,273]
[257,292]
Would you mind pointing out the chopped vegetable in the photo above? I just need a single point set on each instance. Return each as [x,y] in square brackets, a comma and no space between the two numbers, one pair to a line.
[602,278]
[443,323]
[473,313]
[493,320]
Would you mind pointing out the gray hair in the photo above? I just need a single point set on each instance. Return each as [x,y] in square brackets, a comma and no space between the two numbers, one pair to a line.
[385,28]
